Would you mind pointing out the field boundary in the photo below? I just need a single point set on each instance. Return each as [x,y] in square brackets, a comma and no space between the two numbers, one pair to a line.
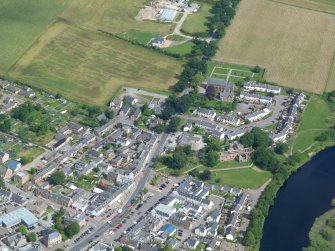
[332,66]
[302,7]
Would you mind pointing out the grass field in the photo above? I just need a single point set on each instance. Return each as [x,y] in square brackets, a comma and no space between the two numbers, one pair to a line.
[114,16]
[90,67]
[21,23]
[251,178]
[233,73]
[141,37]
[313,123]
[285,40]
[182,49]
[196,22]
[327,6]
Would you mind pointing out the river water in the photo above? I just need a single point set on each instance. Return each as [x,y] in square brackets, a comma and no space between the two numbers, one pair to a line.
[306,195]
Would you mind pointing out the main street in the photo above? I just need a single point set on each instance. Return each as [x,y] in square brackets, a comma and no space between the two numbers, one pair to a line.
[147,173]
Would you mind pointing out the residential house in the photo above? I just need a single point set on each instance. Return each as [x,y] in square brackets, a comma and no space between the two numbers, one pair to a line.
[205,113]
[116,103]
[228,119]
[15,240]
[157,42]
[14,165]
[254,86]
[52,239]
[192,243]
[4,157]
[21,177]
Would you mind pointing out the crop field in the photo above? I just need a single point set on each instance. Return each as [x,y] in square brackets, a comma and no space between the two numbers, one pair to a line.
[327,6]
[196,22]
[286,41]
[21,23]
[232,73]
[90,67]
[113,16]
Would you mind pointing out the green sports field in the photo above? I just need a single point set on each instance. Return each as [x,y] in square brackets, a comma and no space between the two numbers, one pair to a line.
[90,66]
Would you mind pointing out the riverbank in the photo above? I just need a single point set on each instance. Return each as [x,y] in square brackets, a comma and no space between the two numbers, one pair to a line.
[260,212]
[304,197]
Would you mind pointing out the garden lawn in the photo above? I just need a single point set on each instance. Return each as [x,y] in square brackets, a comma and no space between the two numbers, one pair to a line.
[251,178]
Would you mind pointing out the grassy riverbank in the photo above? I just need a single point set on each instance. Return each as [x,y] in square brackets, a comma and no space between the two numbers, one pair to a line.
[310,120]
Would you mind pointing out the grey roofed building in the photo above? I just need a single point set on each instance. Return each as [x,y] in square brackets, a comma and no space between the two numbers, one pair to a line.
[172,242]
[192,242]
[157,41]
[101,247]
[125,110]
[31,247]
[4,194]
[214,216]
[27,92]
[252,85]
[20,215]
[220,82]
[101,117]
[232,219]
[4,83]
[12,88]
[229,119]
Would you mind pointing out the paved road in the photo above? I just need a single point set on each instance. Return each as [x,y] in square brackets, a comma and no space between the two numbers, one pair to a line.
[147,173]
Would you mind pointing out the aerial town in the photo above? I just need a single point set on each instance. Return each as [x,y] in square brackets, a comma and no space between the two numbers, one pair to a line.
[106,174]
[162,125]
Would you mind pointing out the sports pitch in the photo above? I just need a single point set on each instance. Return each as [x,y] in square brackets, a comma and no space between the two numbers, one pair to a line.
[296,45]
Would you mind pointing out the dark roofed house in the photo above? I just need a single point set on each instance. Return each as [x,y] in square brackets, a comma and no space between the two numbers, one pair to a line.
[157,42]
[27,92]
[12,88]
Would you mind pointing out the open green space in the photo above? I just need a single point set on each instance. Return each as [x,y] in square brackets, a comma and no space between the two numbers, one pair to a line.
[113,16]
[233,73]
[90,67]
[321,236]
[175,37]
[182,49]
[251,178]
[21,23]
[196,22]
[141,37]
[314,121]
